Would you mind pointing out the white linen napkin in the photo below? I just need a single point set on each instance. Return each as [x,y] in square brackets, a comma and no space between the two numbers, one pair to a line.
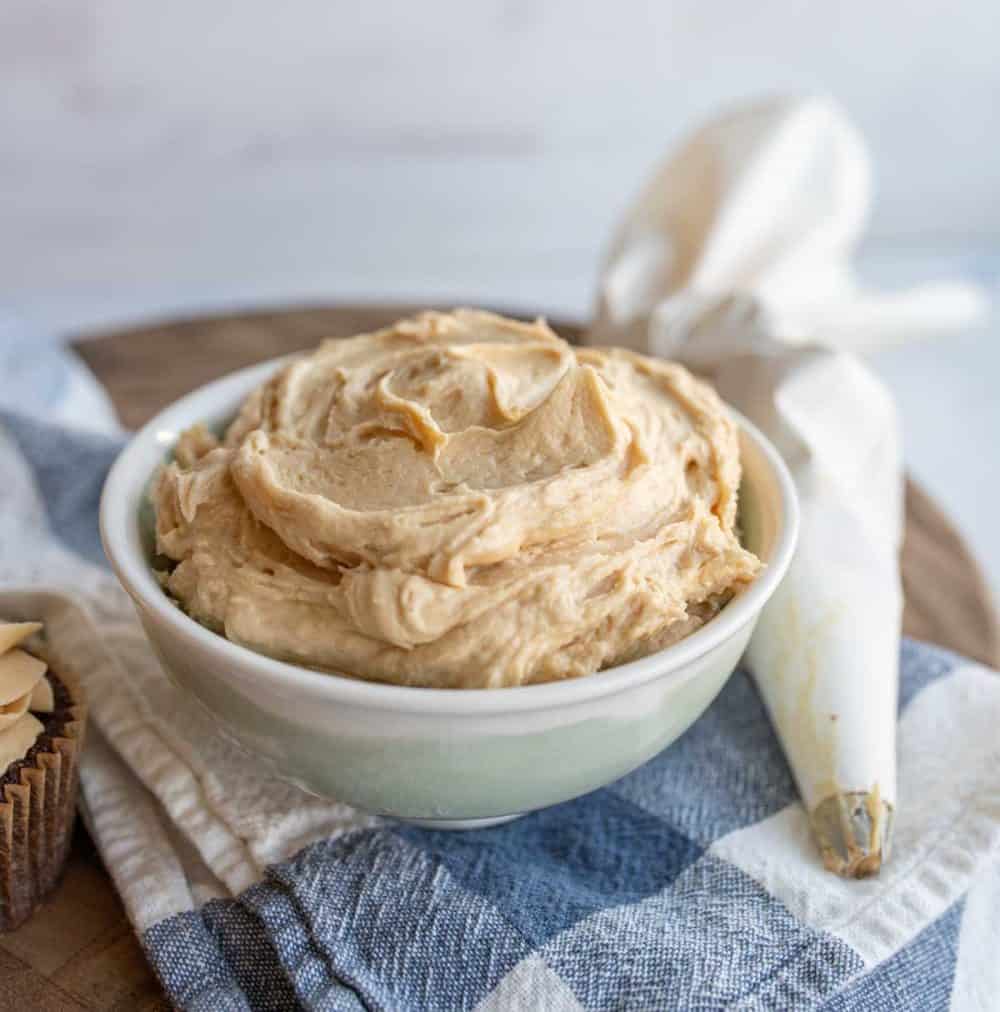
[736,259]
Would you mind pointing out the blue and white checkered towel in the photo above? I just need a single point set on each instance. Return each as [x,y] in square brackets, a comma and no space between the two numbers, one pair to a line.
[690,884]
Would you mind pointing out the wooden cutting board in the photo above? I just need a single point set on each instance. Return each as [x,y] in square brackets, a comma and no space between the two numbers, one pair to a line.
[78,952]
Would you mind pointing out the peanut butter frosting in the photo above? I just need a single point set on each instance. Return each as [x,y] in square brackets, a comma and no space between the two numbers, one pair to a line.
[459,500]
[23,689]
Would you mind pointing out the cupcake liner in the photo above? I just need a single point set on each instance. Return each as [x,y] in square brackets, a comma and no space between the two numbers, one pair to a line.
[38,809]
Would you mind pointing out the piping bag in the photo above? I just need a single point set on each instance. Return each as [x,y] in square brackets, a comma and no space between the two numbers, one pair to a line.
[736,260]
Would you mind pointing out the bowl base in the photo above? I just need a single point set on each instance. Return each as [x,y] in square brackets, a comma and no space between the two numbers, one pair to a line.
[462,824]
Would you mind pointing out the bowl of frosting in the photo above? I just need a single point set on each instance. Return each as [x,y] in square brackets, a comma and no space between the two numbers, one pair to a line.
[453,570]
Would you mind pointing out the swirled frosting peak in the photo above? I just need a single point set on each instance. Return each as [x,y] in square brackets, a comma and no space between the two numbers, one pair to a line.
[459,500]
[23,688]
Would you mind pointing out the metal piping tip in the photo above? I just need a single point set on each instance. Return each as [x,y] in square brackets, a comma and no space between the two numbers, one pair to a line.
[854,832]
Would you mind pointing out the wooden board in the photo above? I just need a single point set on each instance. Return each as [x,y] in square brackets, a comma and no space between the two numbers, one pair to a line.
[78,952]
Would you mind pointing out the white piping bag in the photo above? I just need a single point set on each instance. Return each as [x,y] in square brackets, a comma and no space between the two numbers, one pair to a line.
[736,260]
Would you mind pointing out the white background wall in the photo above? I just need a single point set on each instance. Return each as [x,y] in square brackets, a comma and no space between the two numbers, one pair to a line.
[161,157]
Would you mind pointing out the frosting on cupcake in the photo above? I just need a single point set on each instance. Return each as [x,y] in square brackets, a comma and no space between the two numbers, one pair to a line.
[23,689]
[16,740]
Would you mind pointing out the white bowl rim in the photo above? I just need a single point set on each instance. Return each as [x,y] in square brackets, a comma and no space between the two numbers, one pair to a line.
[120,500]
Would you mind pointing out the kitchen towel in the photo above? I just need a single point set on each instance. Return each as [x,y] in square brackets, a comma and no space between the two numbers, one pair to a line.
[691,883]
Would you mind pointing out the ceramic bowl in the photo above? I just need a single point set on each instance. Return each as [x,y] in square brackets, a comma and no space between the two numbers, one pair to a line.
[447,757]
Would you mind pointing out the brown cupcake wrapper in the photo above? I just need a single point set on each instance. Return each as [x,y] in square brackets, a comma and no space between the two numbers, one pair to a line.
[37,814]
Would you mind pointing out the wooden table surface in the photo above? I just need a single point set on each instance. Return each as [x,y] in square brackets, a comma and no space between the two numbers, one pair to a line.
[78,951]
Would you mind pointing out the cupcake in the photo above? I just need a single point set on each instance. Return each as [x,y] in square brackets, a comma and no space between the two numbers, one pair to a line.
[42,719]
